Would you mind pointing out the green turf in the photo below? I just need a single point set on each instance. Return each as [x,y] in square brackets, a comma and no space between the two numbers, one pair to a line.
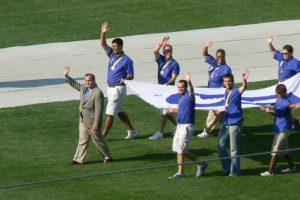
[38,140]
[26,22]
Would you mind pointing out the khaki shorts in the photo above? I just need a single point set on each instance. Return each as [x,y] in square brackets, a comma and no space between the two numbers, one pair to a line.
[182,137]
[280,142]
[115,97]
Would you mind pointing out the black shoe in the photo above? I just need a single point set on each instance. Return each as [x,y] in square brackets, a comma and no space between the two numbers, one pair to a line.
[107,160]
[225,173]
[73,162]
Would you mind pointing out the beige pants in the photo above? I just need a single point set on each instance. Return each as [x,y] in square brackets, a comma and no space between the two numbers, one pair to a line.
[84,138]
[212,120]
[280,142]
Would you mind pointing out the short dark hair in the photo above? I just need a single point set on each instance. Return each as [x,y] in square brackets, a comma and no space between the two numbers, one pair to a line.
[289,48]
[183,81]
[167,45]
[118,41]
[92,76]
[228,75]
[222,51]
[281,90]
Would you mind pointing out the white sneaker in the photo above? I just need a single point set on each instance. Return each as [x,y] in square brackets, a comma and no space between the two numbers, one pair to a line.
[266,173]
[203,135]
[201,169]
[176,176]
[157,135]
[131,135]
[289,170]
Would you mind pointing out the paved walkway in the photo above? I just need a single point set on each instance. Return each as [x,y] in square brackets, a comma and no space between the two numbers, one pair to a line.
[34,74]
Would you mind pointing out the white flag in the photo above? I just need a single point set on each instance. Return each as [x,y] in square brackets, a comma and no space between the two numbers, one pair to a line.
[162,96]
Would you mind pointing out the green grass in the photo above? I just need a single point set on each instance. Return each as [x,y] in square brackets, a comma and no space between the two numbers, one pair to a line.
[38,140]
[27,22]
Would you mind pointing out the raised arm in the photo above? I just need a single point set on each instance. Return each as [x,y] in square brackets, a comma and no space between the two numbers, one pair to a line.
[244,83]
[272,48]
[159,45]
[104,30]
[71,81]
[187,77]
[207,45]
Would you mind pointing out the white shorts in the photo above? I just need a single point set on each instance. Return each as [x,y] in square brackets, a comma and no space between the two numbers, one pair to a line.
[182,138]
[115,97]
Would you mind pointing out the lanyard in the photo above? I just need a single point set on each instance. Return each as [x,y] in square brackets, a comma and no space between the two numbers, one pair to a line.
[165,66]
[180,101]
[212,74]
[227,99]
[116,62]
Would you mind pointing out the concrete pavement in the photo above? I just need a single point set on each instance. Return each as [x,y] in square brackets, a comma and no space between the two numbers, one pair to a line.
[34,74]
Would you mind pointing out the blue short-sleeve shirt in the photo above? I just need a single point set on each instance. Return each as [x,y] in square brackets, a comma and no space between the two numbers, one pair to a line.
[233,111]
[283,118]
[216,72]
[166,69]
[286,68]
[186,109]
[119,67]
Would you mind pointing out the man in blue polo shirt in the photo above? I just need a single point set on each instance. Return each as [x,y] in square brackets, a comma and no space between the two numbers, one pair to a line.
[288,66]
[218,68]
[120,68]
[168,70]
[232,124]
[185,128]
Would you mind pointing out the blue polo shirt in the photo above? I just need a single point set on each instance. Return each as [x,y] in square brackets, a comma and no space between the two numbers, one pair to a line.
[286,68]
[118,68]
[164,75]
[283,118]
[186,109]
[233,112]
[216,72]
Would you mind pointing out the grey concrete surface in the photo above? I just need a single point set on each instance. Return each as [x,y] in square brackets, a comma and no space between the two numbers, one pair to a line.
[34,74]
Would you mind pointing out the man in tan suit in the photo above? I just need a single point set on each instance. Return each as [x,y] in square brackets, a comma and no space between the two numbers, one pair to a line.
[91,112]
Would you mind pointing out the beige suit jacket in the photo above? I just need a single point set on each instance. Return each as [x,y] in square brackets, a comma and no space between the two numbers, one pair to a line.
[91,109]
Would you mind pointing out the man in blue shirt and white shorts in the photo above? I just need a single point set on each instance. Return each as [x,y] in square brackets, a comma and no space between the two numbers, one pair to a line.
[120,68]
[168,70]
[185,128]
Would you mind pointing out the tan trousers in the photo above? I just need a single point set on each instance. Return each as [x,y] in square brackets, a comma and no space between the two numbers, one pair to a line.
[84,138]
[212,120]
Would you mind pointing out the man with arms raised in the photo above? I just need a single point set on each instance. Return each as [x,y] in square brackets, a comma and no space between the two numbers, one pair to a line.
[168,70]
[120,68]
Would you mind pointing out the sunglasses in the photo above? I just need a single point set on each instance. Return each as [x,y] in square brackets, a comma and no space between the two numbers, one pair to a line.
[167,51]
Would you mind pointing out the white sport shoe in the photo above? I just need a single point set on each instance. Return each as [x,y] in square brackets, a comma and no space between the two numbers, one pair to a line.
[131,135]
[289,170]
[266,173]
[203,135]
[157,135]
[201,169]
[176,176]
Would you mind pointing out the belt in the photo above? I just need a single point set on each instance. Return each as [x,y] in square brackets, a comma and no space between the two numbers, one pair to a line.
[112,86]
